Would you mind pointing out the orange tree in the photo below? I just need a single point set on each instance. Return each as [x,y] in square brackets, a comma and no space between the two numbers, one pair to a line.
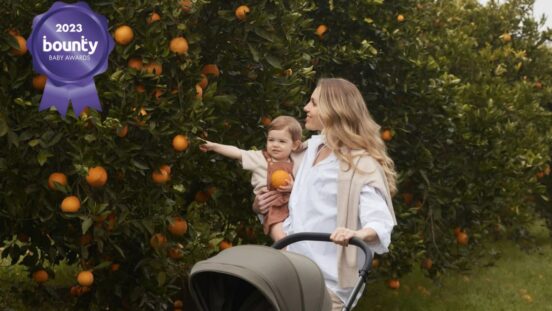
[460,89]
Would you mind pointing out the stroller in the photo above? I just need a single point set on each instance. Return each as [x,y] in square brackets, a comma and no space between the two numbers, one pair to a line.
[260,278]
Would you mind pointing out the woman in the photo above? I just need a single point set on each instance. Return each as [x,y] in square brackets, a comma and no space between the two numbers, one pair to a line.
[344,186]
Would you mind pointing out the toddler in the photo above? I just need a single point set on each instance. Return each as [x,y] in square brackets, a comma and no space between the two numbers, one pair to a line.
[284,137]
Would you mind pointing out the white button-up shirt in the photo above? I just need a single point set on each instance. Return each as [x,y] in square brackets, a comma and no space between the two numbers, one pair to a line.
[313,208]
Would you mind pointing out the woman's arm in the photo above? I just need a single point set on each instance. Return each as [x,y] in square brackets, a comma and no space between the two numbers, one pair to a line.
[376,222]
[225,150]
[265,199]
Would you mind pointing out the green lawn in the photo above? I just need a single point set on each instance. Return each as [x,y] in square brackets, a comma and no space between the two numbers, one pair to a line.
[519,280]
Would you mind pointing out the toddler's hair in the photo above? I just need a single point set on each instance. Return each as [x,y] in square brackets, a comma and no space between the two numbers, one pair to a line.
[290,123]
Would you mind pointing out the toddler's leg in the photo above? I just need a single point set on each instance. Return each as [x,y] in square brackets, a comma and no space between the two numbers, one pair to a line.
[277,231]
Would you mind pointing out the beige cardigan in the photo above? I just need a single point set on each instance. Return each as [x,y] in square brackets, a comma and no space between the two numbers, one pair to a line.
[349,186]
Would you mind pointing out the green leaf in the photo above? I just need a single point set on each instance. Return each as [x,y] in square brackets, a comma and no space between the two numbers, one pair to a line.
[89,138]
[3,126]
[263,34]
[86,224]
[43,156]
[139,165]
[161,278]
[254,52]
[34,142]
[273,61]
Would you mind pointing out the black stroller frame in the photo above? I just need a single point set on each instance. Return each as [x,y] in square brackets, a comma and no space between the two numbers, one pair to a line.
[325,237]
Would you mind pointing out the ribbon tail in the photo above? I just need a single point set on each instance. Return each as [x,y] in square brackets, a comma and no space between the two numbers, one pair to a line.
[57,96]
[85,96]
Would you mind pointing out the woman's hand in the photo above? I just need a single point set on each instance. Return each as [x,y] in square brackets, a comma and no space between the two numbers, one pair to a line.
[342,236]
[265,199]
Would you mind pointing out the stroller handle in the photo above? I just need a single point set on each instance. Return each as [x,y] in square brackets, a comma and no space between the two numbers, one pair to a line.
[325,237]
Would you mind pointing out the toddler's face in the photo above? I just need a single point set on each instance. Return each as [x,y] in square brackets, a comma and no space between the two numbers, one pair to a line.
[279,144]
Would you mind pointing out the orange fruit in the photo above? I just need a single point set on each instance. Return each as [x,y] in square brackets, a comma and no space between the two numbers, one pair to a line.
[210,69]
[158,240]
[175,253]
[153,17]
[135,63]
[321,30]
[85,239]
[178,226]
[287,73]
[394,283]
[180,143]
[266,121]
[427,263]
[39,82]
[225,244]
[57,177]
[386,135]
[179,45]
[85,278]
[178,304]
[506,37]
[279,178]
[123,35]
[400,18]
[75,290]
[22,46]
[408,197]
[457,231]
[211,190]
[186,5]
[201,197]
[161,176]
[203,82]
[199,91]
[165,168]
[40,276]
[140,88]
[115,267]
[375,263]
[123,131]
[538,85]
[241,12]
[462,238]
[158,93]
[154,68]
[97,177]
[70,204]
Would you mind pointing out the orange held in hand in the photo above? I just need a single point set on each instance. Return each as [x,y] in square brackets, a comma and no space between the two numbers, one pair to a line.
[70,204]
[279,178]
[97,177]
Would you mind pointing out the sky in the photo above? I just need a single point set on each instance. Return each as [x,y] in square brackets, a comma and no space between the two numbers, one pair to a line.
[541,7]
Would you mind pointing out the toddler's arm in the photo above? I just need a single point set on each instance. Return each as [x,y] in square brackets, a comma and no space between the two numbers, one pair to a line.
[225,150]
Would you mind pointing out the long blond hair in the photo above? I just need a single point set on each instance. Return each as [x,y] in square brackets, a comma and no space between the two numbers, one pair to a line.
[348,125]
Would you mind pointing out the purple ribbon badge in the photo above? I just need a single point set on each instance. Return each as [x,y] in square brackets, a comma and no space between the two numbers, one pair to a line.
[70,44]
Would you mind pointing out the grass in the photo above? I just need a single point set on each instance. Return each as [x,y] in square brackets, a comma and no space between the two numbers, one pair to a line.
[518,280]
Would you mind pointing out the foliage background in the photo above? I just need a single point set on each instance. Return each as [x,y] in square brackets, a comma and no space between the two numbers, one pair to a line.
[469,112]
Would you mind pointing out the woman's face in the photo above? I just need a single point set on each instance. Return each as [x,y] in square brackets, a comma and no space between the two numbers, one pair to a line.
[312,121]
